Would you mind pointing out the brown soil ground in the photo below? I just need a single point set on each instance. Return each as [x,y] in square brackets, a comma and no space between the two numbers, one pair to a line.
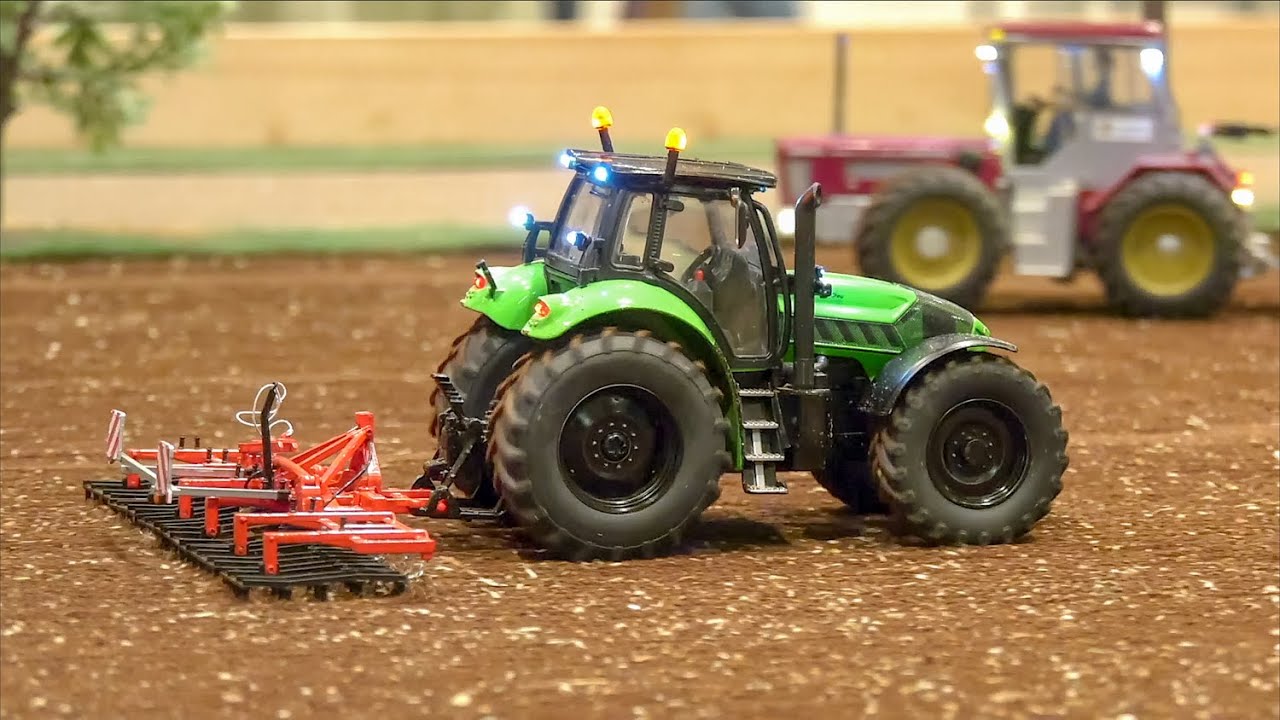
[1151,591]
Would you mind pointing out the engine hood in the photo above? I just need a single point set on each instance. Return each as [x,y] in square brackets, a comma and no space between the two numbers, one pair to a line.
[916,313]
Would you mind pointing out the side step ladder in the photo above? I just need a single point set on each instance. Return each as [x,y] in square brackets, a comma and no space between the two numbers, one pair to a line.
[764,445]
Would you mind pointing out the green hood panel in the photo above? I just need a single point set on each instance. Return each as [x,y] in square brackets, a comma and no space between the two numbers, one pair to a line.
[862,299]
[518,289]
[579,304]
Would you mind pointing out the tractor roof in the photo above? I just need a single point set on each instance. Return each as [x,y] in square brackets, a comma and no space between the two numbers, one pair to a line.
[1054,30]
[689,170]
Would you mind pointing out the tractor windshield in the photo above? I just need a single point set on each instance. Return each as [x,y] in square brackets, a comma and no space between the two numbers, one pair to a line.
[580,221]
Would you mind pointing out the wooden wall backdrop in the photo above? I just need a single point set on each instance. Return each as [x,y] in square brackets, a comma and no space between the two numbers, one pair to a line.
[476,84]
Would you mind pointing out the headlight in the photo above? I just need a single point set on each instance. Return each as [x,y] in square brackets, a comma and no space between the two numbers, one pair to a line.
[997,126]
[1242,196]
[787,222]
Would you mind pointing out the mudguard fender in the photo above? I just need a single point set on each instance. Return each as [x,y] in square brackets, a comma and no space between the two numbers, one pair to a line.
[898,372]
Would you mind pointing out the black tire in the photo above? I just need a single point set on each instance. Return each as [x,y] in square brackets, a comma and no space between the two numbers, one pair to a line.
[543,485]
[913,192]
[929,501]
[478,361]
[1146,198]
[849,480]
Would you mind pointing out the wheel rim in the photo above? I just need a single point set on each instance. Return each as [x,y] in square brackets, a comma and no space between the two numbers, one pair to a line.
[935,244]
[619,449]
[1168,250]
[978,454]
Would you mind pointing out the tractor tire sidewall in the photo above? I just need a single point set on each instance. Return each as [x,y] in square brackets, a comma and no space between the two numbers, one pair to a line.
[875,234]
[1196,193]
[485,356]
[851,481]
[914,421]
[484,359]
[573,526]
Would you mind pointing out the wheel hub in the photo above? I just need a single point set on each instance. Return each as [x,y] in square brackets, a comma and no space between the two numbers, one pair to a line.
[615,445]
[979,453]
[933,242]
[1169,244]
[617,448]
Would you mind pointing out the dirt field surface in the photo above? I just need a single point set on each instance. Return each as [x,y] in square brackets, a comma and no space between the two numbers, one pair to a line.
[1151,591]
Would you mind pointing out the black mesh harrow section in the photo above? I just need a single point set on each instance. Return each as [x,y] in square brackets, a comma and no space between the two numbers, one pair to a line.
[320,569]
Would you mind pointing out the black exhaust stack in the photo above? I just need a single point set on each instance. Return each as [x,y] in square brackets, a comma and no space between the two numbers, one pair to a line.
[806,280]
[812,442]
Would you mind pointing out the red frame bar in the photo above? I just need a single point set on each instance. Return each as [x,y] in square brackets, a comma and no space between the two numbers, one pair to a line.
[335,493]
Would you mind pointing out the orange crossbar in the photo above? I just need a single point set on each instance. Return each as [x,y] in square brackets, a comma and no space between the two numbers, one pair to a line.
[376,542]
[361,531]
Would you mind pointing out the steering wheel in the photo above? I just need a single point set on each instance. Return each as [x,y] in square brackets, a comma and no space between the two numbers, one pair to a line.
[709,259]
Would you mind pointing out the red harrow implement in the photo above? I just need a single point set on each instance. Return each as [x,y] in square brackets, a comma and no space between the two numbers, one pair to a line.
[267,515]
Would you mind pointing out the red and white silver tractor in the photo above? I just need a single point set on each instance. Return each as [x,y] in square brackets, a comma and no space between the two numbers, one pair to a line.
[1096,177]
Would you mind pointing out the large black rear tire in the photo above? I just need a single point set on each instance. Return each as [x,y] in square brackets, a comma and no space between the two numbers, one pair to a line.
[609,447]
[1168,245]
[937,228]
[478,361]
[974,453]
[849,480]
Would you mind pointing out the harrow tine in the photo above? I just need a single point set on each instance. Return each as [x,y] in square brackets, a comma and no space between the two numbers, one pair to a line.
[115,436]
[164,472]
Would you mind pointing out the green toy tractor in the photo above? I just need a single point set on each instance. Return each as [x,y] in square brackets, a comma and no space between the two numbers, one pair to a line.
[654,341]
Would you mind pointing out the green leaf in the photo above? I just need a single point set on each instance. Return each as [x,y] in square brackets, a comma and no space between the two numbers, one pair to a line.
[92,76]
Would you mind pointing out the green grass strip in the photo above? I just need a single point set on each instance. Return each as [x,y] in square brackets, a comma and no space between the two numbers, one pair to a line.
[758,151]
[70,244]
[28,161]
[74,244]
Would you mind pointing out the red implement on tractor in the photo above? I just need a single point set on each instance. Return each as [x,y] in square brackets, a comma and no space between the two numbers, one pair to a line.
[1084,167]
[267,515]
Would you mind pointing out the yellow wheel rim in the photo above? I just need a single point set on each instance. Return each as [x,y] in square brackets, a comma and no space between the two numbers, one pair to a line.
[1168,250]
[935,244]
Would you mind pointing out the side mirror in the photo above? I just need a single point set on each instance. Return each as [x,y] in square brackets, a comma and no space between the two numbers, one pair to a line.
[743,216]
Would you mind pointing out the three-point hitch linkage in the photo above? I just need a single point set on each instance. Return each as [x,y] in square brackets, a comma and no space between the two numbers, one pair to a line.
[266,515]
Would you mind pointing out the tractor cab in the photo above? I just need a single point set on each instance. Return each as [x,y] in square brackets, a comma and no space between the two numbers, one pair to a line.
[1073,95]
[690,227]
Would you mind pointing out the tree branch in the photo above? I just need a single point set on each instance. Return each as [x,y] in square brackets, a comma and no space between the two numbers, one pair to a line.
[26,25]
[10,65]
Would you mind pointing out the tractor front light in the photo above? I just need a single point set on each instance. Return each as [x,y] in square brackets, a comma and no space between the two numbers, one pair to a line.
[997,126]
[1242,196]
[541,311]
[520,217]
[787,222]
[986,53]
[1151,60]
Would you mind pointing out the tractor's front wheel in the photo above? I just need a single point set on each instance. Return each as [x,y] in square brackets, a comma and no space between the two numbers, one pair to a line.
[1168,244]
[936,228]
[609,447]
[974,453]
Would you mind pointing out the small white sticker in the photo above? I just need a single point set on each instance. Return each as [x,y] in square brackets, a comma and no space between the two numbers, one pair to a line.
[1111,128]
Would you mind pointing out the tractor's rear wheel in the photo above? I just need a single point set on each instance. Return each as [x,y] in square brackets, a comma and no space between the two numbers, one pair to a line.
[1168,245]
[609,447]
[850,481]
[974,453]
[938,229]
[478,361]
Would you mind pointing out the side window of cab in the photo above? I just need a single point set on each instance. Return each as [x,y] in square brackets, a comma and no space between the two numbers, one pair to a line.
[628,252]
